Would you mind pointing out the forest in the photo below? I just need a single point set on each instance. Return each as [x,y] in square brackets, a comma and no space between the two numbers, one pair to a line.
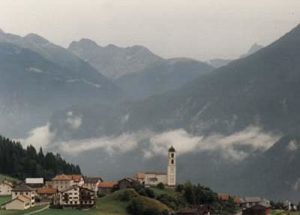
[18,162]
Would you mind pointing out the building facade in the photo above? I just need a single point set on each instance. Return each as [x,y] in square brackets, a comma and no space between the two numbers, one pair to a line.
[6,188]
[24,190]
[76,196]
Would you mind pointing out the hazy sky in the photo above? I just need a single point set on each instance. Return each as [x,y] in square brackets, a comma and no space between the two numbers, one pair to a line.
[200,29]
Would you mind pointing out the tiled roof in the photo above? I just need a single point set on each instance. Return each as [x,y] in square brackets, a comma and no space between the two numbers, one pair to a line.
[62,177]
[22,187]
[107,184]
[24,198]
[140,175]
[92,180]
[76,178]
[223,196]
[46,190]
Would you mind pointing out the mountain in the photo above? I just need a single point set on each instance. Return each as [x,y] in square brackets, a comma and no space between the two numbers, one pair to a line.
[219,62]
[235,124]
[161,77]
[111,60]
[254,48]
[39,78]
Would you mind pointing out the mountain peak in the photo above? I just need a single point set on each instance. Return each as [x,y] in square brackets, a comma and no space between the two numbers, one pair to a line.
[84,42]
[36,38]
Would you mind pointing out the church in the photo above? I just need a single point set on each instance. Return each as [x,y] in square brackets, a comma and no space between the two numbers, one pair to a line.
[167,178]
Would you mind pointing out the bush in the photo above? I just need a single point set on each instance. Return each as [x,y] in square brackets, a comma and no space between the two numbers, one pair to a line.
[170,201]
[135,207]
[127,195]
[100,195]
[149,193]
[161,186]
[179,188]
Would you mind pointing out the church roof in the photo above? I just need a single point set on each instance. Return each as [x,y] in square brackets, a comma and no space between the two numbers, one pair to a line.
[172,149]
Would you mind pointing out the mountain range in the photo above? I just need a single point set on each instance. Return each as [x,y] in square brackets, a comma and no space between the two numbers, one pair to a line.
[235,127]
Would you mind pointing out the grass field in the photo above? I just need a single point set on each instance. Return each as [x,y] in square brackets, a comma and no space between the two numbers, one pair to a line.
[108,205]
[168,191]
[12,212]
[4,199]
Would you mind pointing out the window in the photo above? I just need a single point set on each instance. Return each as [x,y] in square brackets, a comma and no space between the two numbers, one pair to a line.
[172,161]
[172,155]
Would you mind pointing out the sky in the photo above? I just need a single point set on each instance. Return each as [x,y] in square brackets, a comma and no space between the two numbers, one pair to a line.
[199,29]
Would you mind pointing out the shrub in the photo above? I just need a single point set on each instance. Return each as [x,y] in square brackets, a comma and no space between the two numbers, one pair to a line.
[135,207]
[161,186]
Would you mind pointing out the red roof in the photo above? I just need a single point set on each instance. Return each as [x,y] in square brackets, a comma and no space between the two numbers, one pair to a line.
[46,190]
[107,184]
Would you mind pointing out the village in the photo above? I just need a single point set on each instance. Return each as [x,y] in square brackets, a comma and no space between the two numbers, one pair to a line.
[81,192]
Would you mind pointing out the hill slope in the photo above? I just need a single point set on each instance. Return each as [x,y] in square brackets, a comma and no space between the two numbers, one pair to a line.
[161,77]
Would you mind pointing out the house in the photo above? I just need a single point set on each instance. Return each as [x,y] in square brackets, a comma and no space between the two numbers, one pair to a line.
[257,210]
[77,179]
[92,183]
[21,202]
[76,196]
[127,183]
[106,187]
[5,188]
[35,182]
[24,190]
[223,197]
[248,202]
[46,194]
[63,182]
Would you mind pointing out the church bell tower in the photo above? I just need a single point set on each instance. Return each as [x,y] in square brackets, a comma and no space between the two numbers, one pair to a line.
[171,166]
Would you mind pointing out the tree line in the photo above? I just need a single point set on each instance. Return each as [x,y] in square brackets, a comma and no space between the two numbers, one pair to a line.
[21,163]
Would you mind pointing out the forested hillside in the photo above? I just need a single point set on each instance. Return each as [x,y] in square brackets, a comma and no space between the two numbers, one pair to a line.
[18,162]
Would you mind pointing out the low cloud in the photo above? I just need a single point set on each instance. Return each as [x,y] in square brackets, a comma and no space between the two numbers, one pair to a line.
[39,137]
[236,146]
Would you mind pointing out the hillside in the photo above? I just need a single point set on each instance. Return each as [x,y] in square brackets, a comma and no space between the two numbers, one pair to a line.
[162,77]
[39,78]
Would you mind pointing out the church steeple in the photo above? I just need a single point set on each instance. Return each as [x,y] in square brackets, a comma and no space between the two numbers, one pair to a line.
[171,166]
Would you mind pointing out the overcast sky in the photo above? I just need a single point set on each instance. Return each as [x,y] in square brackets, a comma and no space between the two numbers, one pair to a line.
[200,29]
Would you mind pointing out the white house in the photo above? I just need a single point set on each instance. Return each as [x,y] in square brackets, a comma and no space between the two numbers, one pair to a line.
[5,188]
[24,190]
[62,182]
[76,196]
[19,203]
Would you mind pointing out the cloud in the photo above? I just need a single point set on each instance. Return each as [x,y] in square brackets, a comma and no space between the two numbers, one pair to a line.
[39,137]
[74,122]
[293,145]
[113,144]
[236,146]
